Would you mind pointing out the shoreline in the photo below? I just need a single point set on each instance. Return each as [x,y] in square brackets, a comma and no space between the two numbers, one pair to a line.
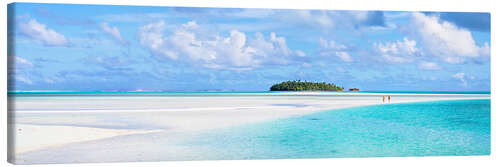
[168,116]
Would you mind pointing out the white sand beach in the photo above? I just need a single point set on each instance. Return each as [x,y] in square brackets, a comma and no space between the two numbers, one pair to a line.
[33,137]
[42,123]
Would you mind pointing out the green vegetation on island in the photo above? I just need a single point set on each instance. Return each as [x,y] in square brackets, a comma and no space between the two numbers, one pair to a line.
[354,89]
[305,86]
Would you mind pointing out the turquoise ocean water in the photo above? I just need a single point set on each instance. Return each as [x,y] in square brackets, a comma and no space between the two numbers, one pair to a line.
[439,128]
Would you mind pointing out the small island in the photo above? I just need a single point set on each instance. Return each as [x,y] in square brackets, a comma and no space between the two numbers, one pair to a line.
[354,89]
[305,86]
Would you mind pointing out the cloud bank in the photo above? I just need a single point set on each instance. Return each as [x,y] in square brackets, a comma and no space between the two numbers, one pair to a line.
[189,44]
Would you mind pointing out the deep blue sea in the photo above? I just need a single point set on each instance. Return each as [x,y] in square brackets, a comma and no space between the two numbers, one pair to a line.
[439,128]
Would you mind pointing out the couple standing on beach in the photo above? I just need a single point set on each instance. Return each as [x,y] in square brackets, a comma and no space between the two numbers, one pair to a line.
[388,99]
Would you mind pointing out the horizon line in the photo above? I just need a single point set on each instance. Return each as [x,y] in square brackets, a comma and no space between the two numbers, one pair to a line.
[229,91]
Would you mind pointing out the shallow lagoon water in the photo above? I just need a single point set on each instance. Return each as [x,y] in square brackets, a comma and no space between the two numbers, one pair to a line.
[438,128]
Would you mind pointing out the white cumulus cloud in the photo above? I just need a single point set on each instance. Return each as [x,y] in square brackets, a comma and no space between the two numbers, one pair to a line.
[18,69]
[331,48]
[40,32]
[344,56]
[113,31]
[463,78]
[398,52]
[274,50]
[235,51]
[429,66]
[24,79]
[22,63]
[300,53]
[446,40]
[19,64]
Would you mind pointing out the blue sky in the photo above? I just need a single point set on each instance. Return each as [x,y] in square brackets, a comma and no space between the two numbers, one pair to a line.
[60,47]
